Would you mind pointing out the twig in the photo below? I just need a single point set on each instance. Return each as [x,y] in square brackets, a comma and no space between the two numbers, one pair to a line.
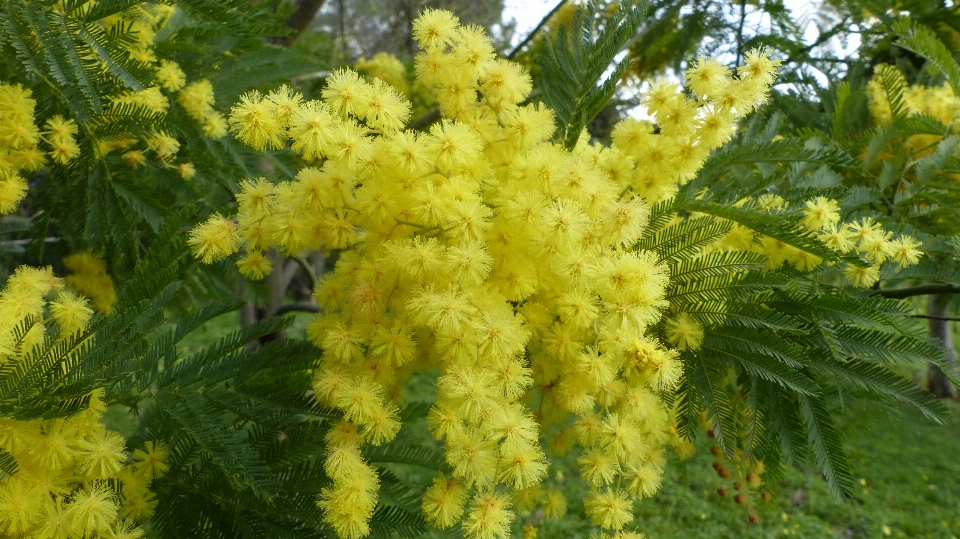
[823,38]
[920,290]
[944,318]
[297,307]
[299,21]
[307,270]
[743,18]
[535,30]
[424,120]
[27,242]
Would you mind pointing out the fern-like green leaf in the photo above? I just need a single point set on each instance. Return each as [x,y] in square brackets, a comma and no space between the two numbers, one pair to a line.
[576,59]
[923,41]
[827,445]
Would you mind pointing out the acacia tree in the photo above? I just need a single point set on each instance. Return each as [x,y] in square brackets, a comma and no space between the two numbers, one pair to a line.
[527,291]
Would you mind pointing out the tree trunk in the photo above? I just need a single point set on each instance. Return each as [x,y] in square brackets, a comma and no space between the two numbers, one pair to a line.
[937,381]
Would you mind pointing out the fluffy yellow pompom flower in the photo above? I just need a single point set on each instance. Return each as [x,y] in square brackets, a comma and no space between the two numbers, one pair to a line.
[312,128]
[684,332]
[707,77]
[435,28]
[70,312]
[17,129]
[387,68]
[60,135]
[609,509]
[197,99]
[163,145]
[443,502]
[554,504]
[20,504]
[905,251]
[214,239]
[101,456]
[151,461]
[255,123]
[863,277]
[170,76]
[255,265]
[13,188]
[347,93]
[387,110]
[92,509]
[134,158]
[838,238]
[821,213]
[489,517]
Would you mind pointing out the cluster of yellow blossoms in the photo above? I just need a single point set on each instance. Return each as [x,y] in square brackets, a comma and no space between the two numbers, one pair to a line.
[821,216]
[19,143]
[938,102]
[143,22]
[652,164]
[20,137]
[485,251]
[88,276]
[69,470]
[389,69]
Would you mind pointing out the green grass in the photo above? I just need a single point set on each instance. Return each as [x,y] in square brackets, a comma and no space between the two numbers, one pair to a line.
[908,485]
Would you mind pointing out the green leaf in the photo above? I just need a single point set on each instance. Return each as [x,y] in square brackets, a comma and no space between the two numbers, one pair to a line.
[880,380]
[895,85]
[827,445]
[711,381]
[401,453]
[923,41]
[578,56]
[8,465]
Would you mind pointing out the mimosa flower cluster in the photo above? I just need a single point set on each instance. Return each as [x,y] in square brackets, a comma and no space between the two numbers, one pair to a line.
[69,470]
[864,237]
[88,276]
[20,143]
[143,22]
[653,165]
[938,102]
[483,250]
[26,148]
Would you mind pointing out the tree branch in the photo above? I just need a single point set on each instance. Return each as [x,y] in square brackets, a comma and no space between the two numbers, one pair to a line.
[307,270]
[300,20]
[941,318]
[297,307]
[535,30]
[424,120]
[823,38]
[920,290]
[743,19]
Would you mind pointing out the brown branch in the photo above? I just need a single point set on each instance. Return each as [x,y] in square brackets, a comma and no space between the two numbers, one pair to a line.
[307,270]
[296,307]
[299,20]
[424,120]
[536,30]
[941,318]
[920,290]
[743,19]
